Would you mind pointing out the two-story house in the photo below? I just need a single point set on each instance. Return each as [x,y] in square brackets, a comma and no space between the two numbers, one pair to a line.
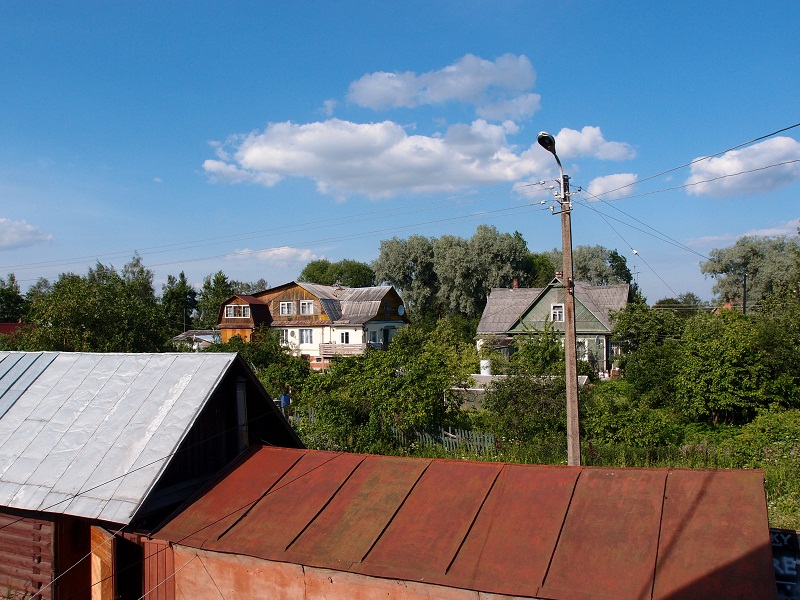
[514,311]
[320,322]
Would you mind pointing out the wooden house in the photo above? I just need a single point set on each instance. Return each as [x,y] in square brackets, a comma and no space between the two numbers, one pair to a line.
[95,445]
[318,525]
[515,311]
[318,322]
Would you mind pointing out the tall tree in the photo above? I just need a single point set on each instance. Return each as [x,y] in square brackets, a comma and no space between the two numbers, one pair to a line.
[596,265]
[105,311]
[12,302]
[346,272]
[408,266]
[178,301]
[248,287]
[769,264]
[216,289]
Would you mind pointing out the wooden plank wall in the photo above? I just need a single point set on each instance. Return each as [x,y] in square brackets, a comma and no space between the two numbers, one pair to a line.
[159,570]
[26,555]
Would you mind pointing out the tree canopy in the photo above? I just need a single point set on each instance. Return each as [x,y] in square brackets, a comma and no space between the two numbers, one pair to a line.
[770,265]
[12,302]
[348,273]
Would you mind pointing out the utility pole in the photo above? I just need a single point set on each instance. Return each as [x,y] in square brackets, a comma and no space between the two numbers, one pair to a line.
[548,142]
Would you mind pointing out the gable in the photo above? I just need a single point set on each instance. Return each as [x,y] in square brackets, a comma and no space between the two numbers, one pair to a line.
[90,435]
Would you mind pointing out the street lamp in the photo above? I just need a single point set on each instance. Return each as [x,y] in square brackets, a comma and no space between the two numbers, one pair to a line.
[548,142]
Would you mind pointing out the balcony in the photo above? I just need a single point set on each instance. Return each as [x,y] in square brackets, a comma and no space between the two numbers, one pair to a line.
[334,349]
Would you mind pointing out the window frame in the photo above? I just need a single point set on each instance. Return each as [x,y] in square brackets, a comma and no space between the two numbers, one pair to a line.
[306,307]
[344,337]
[286,309]
[230,311]
[305,333]
[555,311]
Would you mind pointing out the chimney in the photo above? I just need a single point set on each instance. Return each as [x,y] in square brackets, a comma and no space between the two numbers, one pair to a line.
[515,283]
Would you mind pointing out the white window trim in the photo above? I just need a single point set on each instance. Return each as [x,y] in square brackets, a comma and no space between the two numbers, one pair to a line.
[560,308]
[306,307]
[301,336]
[286,309]
[344,337]
[230,311]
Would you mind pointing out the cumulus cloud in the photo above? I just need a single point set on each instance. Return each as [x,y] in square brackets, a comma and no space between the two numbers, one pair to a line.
[376,159]
[609,186]
[19,234]
[758,168]
[500,89]
[281,257]
[589,141]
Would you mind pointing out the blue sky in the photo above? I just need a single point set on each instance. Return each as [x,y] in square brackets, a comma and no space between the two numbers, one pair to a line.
[253,137]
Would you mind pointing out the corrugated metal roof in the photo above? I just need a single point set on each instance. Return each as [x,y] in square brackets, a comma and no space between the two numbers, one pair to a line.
[522,530]
[90,434]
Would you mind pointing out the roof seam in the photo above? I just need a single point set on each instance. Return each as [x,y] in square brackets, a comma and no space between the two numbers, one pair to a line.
[560,531]
[397,510]
[475,518]
[658,540]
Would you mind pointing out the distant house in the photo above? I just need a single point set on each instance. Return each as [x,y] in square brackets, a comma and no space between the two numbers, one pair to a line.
[319,525]
[196,339]
[514,311]
[95,445]
[319,322]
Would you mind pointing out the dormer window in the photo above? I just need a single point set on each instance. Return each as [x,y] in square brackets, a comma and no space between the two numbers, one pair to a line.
[306,307]
[286,308]
[557,313]
[237,311]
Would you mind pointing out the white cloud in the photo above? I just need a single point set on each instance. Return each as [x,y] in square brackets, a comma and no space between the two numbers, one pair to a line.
[789,228]
[376,159]
[282,257]
[500,88]
[328,107]
[589,141]
[723,170]
[18,234]
[608,186]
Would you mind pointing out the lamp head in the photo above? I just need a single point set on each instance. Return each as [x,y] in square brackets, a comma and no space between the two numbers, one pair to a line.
[547,141]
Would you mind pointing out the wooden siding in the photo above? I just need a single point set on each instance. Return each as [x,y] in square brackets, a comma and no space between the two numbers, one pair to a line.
[26,555]
[159,570]
[585,322]
[294,295]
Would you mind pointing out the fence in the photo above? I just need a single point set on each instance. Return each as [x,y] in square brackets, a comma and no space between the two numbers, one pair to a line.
[453,440]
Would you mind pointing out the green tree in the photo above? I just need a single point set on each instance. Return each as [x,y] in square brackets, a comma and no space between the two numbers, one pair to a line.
[770,264]
[595,265]
[216,289]
[277,369]
[365,400]
[105,311]
[348,273]
[408,266]
[178,301]
[248,287]
[12,302]
[638,325]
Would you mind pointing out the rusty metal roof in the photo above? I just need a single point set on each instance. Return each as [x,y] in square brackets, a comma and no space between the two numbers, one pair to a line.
[521,530]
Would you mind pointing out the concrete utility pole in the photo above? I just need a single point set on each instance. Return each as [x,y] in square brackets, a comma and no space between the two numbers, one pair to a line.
[548,142]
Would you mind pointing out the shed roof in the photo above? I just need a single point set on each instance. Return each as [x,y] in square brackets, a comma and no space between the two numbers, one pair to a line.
[90,434]
[522,530]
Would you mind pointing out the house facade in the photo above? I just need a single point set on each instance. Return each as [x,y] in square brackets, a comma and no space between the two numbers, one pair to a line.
[319,322]
[515,311]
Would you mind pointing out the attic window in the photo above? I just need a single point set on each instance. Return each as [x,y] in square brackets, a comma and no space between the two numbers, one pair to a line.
[557,313]
[287,308]
[237,311]
[306,307]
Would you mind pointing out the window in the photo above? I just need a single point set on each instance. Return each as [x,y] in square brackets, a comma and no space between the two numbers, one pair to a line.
[557,313]
[373,336]
[287,308]
[237,311]
[306,336]
[306,307]
[284,333]
[344,337]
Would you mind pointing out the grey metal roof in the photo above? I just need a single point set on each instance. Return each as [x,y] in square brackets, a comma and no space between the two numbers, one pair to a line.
[90,434]
[349,305]
[504,307]
[603,299]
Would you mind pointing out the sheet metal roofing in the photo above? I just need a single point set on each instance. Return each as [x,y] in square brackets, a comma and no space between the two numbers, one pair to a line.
[520,530]
[90,434]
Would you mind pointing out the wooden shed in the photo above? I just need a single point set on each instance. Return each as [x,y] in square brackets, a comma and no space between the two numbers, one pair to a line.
[95,445]
[309,524]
